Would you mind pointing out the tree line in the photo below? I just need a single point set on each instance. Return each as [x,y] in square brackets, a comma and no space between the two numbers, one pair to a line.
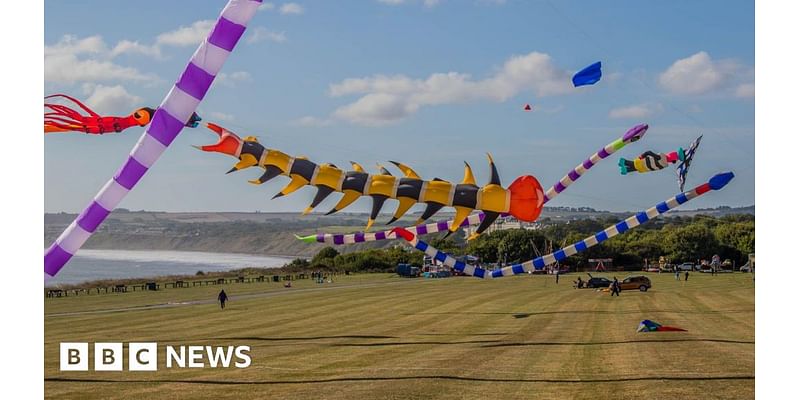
[678,239]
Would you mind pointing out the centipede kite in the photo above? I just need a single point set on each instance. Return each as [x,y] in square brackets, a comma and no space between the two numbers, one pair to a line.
[631,135]
[523,199]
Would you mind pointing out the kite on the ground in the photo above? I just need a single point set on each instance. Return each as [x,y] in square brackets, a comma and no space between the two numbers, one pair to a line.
[588,76]
[523,199]
[632,135]
[61,118]
[650,326]
[716,182]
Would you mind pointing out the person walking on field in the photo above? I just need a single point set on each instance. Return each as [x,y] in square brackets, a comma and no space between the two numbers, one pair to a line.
[686,276]
[222,297]
[615,287]
[556,276]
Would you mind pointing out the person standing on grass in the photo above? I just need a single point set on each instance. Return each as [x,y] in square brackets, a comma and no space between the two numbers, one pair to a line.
[615,287]
[222,297]
[556,276]
[686,276]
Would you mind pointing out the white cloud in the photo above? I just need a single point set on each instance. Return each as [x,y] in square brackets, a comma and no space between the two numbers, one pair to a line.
[111,100]
[635,111]
[70,44]
[219,116]
[387,99]
[231,79]
[266,6]
[129,47]
[186,35]
[73,60]
[697,74]
[291,8]
[312,121]
[431,3]
[746,90]
[261,34]
[89,59]
[67,68]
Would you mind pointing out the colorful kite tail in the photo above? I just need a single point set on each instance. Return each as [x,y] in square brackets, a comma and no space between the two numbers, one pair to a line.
[717,182]
[176,109]
[632,135]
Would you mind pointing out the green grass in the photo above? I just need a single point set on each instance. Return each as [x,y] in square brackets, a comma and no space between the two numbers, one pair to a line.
[381,336]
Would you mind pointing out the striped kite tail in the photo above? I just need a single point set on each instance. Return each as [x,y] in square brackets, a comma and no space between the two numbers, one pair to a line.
[632,135]
[717,182]
[176,109]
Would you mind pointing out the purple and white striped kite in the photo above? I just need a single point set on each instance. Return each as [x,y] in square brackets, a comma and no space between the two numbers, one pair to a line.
[632,135]
[168,121]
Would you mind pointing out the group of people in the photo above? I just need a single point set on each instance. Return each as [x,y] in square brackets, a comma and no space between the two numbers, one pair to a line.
[678,275]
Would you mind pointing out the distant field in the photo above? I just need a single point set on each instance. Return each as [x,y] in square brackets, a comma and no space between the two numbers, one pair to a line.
[381,336]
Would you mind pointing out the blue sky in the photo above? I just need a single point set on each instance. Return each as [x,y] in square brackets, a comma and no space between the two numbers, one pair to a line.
[428,83]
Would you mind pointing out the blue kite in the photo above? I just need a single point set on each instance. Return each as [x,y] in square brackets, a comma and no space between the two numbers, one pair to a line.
[588,76]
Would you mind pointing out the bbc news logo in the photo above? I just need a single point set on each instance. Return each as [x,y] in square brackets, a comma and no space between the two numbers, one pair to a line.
[144,356]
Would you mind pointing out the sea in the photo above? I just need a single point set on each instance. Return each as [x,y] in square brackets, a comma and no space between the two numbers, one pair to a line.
[89,265]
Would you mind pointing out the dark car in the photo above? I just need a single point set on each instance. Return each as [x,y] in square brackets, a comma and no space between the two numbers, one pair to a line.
[597,282]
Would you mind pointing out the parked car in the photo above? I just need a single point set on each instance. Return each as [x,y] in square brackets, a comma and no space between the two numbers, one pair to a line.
[640,282]
[652,268]
[597,282]
[687,266]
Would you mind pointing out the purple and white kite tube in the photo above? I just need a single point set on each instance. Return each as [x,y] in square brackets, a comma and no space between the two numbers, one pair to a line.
[168,121]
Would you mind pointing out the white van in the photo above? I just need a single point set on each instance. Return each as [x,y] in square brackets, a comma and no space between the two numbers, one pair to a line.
[687,266]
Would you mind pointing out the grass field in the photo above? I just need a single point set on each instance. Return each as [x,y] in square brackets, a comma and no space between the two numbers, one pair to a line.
[381,336]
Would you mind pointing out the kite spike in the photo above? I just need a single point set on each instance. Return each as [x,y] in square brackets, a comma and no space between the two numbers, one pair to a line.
[296,183]
[495,178]
[357,167]
[431,209]
[469,178]
[383,170]
[461,214]
[271,172]
[307,210]
[246,161]
[322,193]
[405,204]
[488,220]
[407,171]
[349,197]
[369,224]
[377,204]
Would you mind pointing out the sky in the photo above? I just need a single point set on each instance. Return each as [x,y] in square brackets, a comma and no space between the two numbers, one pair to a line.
[429,83]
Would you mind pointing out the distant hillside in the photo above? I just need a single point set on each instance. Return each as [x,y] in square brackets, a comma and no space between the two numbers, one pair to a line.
[270,233]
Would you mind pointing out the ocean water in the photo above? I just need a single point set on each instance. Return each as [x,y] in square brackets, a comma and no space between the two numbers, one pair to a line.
[89,265]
